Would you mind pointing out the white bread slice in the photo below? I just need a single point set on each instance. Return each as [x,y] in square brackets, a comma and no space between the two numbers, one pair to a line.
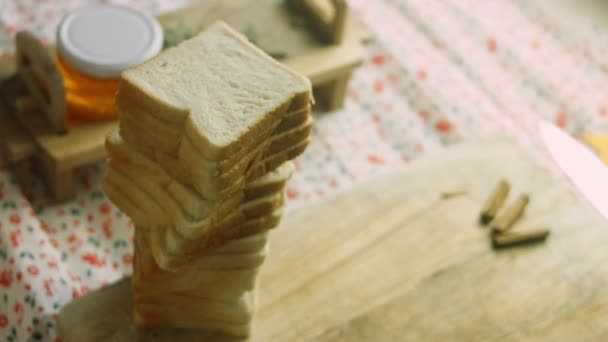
[151,130]
[209,179]
[173,317]
[195,229]
[189,156]
[152,196]
[159,282]
[151,178]
[228,182]
[154,213]
[213,182]
[140,201]
[230,261]
[192,162]
[202,272]
[153,122]
[125,204]
[145,197]
[175,243]
[160,185]
[144,139]
[271,182]
[233,311]
[276,160]
[158,207]
[230,224]
[172,262]
[223,88]
[249,244]
[150,280]
[189,313]
[154,133]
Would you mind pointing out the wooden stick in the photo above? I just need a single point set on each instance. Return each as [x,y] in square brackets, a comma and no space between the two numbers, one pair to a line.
[518,238]
[505,221]
[494,202]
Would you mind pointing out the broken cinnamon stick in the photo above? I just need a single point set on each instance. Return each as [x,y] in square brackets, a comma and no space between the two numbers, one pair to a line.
[519,237]
[494,202]
[506,220]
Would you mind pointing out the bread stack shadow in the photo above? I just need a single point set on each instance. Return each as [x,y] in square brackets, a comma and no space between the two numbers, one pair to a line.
[207,130]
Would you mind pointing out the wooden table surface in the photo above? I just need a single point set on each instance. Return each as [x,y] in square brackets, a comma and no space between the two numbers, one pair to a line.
[398,260]
[392,261]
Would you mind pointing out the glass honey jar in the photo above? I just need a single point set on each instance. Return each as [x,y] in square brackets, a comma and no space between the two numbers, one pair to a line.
[94,45]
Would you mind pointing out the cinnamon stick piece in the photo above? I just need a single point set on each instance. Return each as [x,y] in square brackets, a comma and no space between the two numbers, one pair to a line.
[519,237]
[506,220]
[494,202]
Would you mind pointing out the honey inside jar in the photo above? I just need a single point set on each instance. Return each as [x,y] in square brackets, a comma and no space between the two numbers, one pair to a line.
[88,98]
[95,44]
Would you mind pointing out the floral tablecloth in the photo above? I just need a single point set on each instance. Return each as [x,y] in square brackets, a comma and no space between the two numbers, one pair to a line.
[438,72]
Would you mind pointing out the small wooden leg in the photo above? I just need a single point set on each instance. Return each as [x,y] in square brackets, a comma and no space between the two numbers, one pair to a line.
[331,95]
[60,183]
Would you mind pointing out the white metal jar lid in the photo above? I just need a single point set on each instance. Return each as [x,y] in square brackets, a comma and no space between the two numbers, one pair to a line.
[104,40]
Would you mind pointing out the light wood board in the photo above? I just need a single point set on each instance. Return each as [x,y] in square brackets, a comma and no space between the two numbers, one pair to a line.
[393,260]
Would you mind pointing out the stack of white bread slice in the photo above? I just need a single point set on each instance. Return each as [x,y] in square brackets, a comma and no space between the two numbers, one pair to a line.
[207,130]
[181,222]
[212,293]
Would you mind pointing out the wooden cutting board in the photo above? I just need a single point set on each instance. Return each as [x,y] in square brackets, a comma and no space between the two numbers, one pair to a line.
[403,258]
